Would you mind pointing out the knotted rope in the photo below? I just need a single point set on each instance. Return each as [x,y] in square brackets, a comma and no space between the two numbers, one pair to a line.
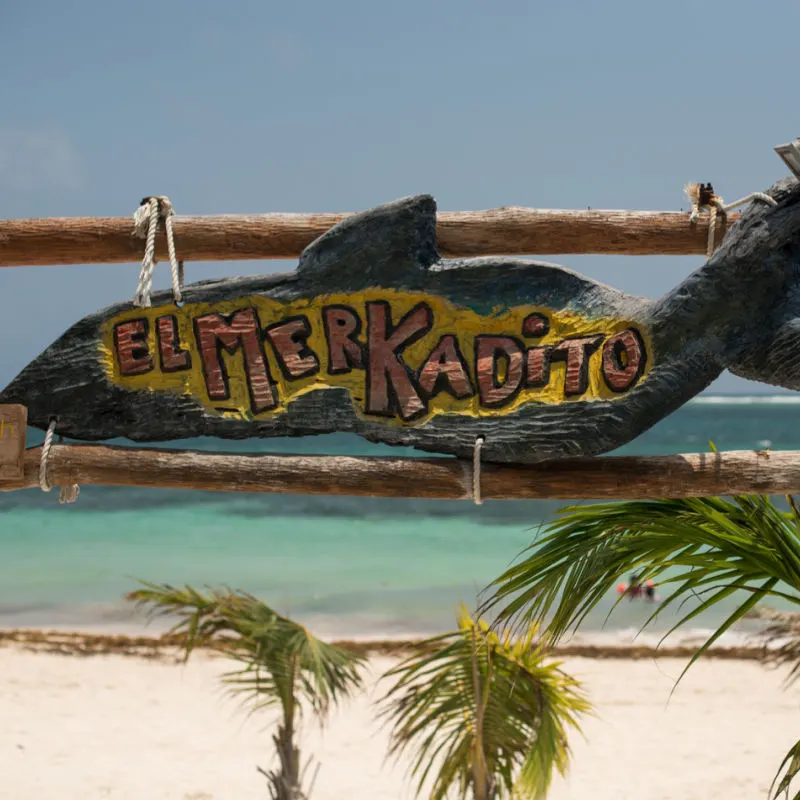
[67,494]
[476,471]
[703,196]
[145,224]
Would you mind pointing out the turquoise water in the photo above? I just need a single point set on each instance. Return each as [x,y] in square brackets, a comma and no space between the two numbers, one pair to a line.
[347,566]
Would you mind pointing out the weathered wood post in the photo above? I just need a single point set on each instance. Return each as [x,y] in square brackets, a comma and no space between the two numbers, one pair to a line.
[13,428]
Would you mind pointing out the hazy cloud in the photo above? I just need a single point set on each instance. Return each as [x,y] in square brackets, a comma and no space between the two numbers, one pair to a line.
[37,158]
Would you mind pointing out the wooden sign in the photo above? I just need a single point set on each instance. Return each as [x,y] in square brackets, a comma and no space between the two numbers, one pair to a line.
[377,335]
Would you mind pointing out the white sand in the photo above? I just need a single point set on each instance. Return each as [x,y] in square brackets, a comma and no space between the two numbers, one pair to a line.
[118,727]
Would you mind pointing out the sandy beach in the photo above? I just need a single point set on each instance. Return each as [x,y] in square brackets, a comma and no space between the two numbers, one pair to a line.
[116,726]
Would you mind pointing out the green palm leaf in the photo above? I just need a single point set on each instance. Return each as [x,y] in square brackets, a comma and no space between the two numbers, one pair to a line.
[692,546]
[790,767]
[483,714]
[279,658]
[703,550]
[280,661]
[780,638]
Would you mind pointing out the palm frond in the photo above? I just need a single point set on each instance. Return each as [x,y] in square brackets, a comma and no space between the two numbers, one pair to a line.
[197,616]
[511,722]
[780,639]
[790,767]
[291,659]
[702,548]
[280,660]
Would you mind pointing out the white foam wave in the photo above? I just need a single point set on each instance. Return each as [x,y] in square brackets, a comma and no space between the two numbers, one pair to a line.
[747,400]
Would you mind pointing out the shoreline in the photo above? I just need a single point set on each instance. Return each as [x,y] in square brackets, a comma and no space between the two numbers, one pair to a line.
[163,646]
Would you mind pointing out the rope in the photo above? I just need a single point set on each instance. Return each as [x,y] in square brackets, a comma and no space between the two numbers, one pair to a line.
[764,198]
[175,269]
[48,443]
[716,208]
[146,214]
[145,223]
[703,196]
[67,494]
[476,471]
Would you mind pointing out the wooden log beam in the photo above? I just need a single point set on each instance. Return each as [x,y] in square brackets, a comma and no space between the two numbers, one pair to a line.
[500,231]
[691,475]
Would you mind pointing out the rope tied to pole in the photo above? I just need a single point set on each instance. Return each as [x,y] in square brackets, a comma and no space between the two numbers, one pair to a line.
[702,195]
[476,471]
[145,224]
[67,494]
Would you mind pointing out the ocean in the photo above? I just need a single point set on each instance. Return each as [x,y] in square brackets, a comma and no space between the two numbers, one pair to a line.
[347,567]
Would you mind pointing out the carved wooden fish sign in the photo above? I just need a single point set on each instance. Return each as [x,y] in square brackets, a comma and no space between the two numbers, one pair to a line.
[375,334]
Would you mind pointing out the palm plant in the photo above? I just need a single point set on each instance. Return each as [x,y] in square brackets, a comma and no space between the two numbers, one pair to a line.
[780,638]
[485,715]
[742,549]
[280,664]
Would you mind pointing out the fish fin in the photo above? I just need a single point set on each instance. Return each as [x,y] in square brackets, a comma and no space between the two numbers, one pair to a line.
[393,244]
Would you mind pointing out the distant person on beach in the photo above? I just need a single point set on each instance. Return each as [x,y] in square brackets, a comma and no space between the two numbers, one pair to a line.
[636,589]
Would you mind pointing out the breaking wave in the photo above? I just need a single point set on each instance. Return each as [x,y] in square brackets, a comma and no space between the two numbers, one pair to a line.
[747,400]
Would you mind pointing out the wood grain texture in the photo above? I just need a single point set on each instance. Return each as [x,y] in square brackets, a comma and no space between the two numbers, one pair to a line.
[507,231]
[690,475]
[13,427]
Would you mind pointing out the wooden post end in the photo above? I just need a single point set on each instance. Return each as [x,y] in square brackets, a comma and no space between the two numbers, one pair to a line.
[13,429]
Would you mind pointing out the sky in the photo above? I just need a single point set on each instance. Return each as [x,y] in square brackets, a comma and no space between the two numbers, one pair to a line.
[247,107]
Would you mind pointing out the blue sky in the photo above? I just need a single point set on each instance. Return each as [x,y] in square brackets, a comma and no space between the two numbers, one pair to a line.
[315,106]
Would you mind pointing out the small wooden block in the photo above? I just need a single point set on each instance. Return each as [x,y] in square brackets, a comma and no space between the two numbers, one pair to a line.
[13,428]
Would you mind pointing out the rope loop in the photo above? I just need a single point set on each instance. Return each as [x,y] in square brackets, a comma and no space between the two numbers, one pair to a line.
[764,198]
[717,209]
[67,494]
[145,224]
[476,471]
[48,443]
[702,195]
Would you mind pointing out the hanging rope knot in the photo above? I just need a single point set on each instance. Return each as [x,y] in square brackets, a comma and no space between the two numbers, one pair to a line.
[702,195]
[151,211]
[476,471]
[67,494]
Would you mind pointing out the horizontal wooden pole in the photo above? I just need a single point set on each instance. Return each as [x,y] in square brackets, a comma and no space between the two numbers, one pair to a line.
[500,231]
[692,475]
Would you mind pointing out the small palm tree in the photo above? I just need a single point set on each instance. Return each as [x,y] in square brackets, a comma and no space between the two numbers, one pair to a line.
[281,663]
[705,549]
[485,716]
[780,638]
